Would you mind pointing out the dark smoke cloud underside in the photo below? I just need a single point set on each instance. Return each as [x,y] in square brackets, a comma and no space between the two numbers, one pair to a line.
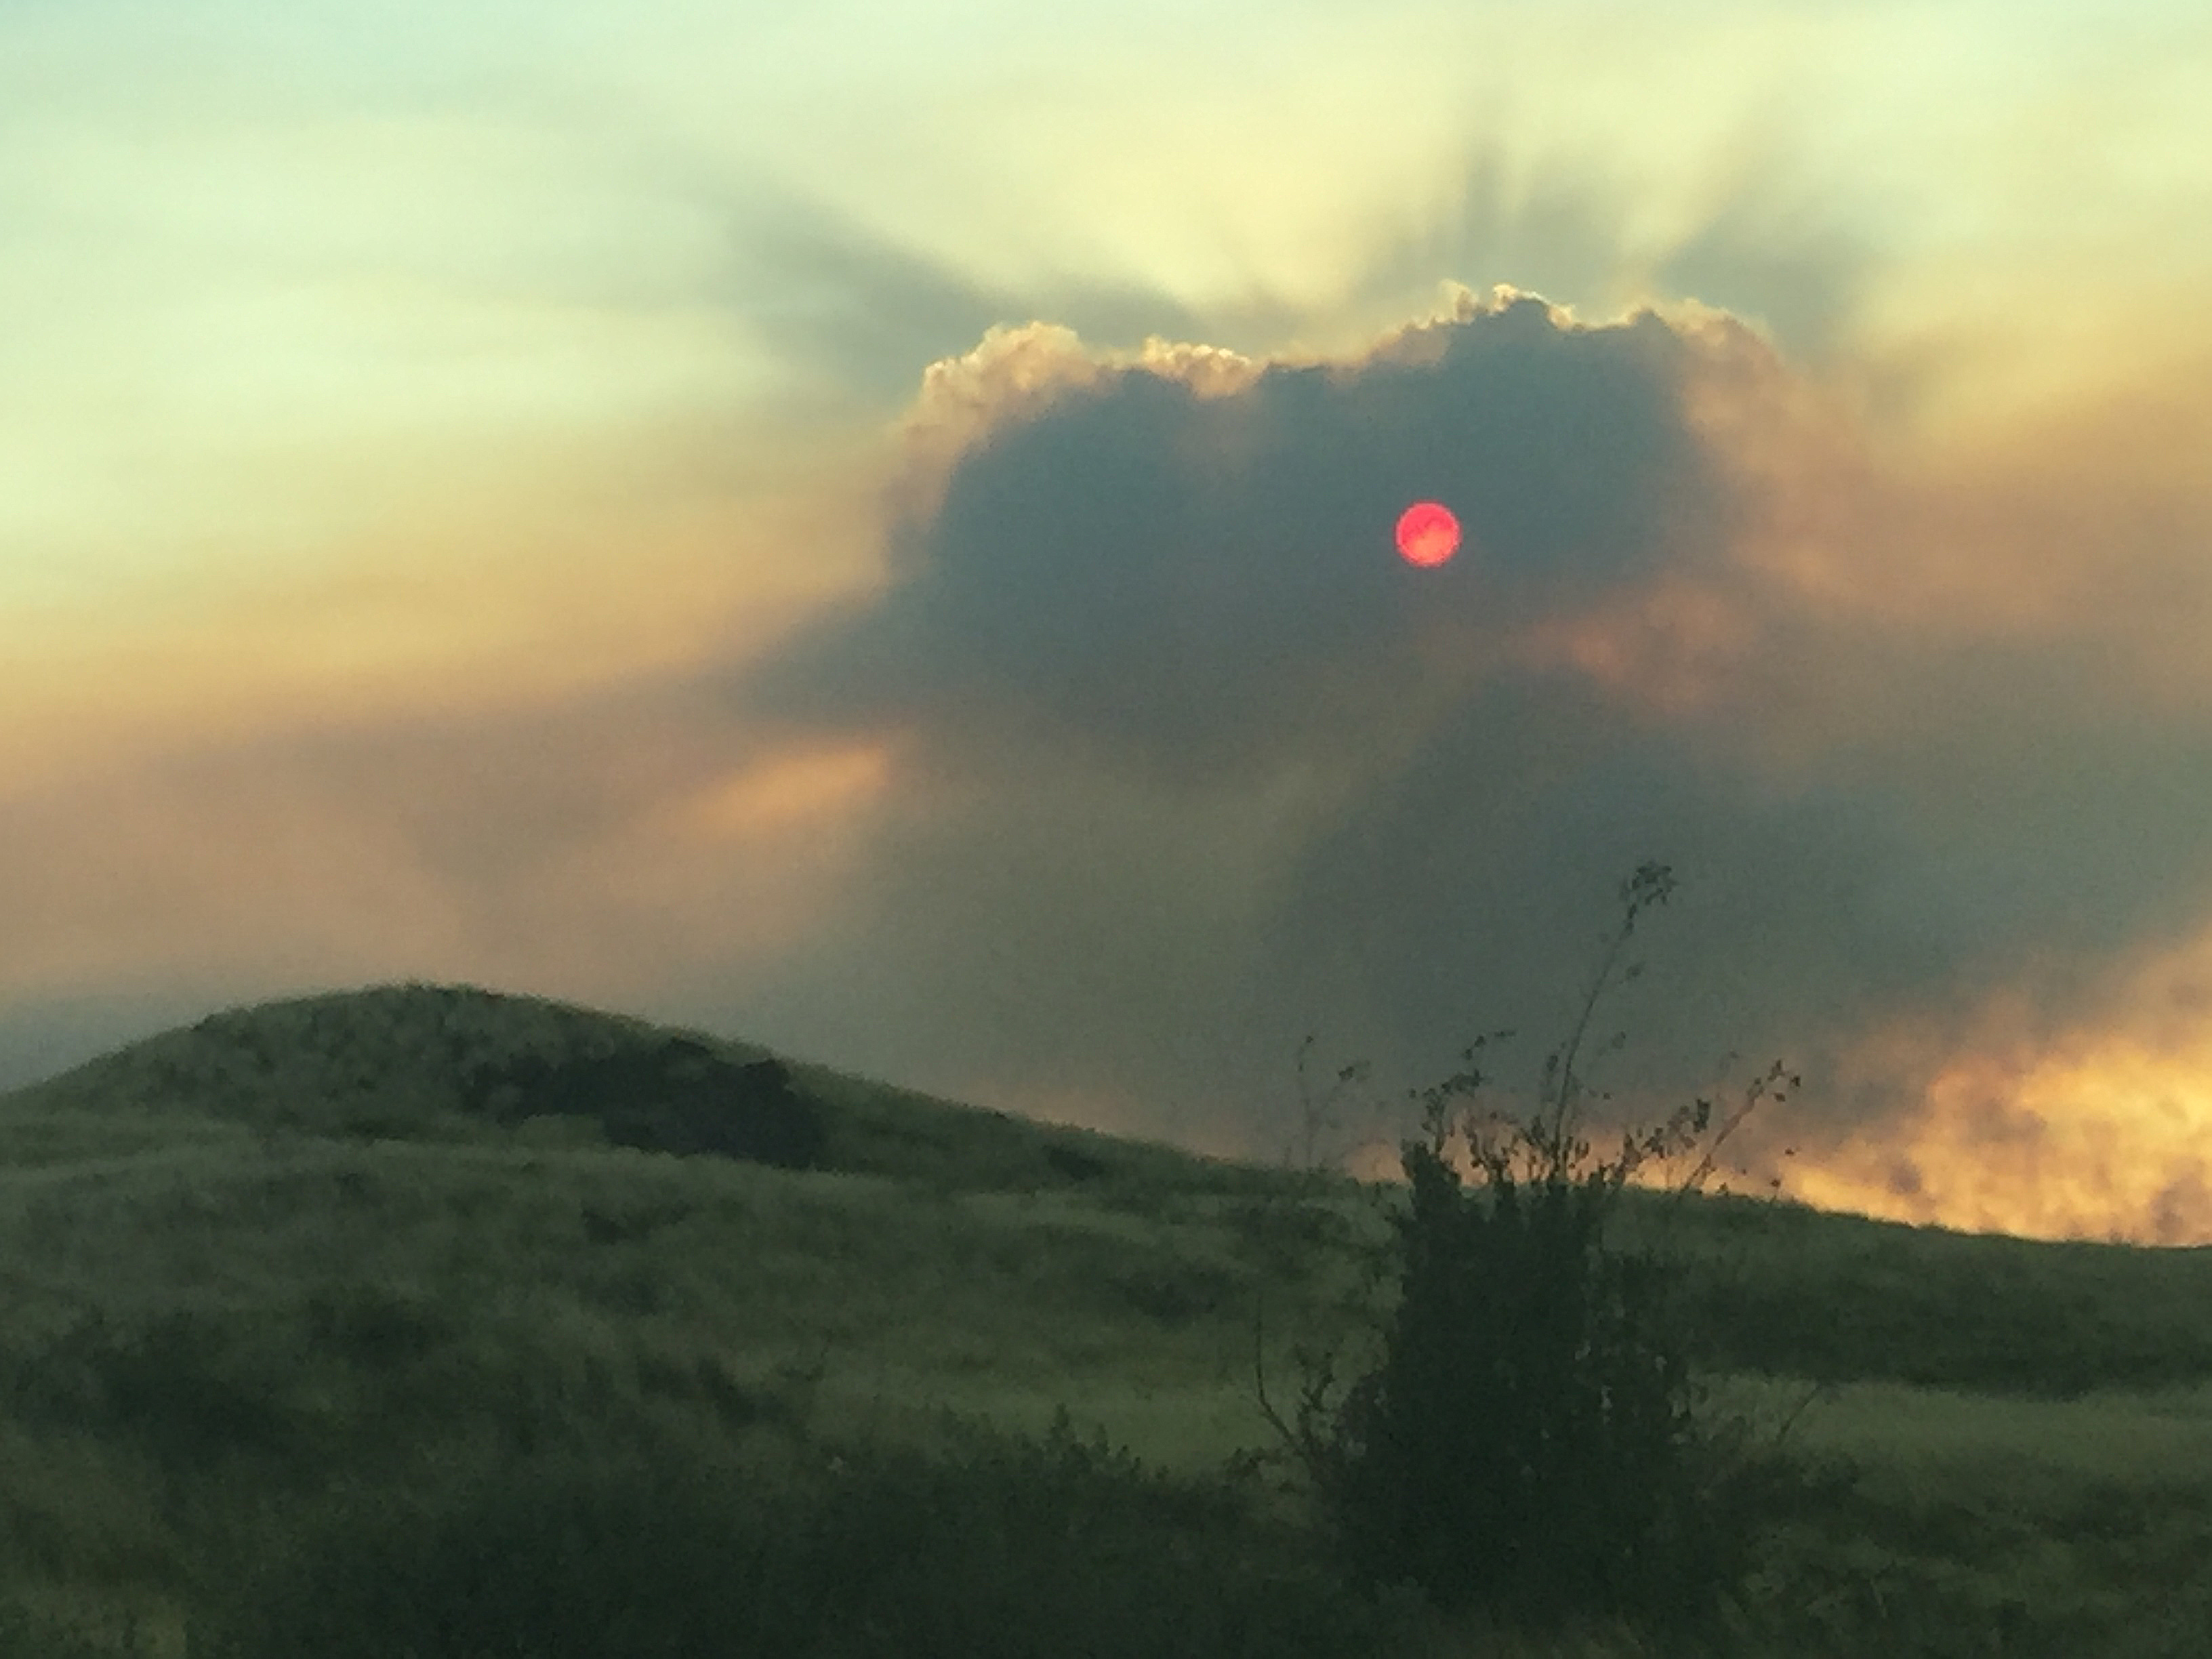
[1192,764]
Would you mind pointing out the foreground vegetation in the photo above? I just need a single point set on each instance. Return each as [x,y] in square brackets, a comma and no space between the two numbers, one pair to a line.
[300,1357]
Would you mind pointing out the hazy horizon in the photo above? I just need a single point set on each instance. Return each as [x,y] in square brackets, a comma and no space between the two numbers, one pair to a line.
[874,536]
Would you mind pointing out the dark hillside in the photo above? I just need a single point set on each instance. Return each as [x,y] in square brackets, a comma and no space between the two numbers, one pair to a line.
[460,1064]
[409,1061]
[1778,1288]
[402,1238]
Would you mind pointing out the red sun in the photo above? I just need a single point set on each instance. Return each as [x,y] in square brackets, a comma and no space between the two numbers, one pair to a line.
[1428,534]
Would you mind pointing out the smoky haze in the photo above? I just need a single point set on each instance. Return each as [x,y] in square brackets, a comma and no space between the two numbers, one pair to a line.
[1188,764]
[1190,587]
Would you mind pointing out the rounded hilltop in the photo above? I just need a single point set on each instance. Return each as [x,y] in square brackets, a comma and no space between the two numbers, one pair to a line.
[462,1064]
[418,1061]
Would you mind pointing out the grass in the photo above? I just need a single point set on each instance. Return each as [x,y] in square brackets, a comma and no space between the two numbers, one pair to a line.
[269,1260]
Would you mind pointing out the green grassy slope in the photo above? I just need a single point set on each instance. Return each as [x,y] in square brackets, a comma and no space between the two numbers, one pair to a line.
[272,1252]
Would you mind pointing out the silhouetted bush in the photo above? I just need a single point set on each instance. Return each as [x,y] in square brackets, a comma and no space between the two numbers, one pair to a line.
[1527,1446]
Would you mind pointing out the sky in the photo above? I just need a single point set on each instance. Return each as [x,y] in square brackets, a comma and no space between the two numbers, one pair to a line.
[868,529]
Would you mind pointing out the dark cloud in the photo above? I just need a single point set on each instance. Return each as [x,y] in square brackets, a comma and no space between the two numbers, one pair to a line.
[1188,747]
[1197,584]
[1976,853]
[1191,765]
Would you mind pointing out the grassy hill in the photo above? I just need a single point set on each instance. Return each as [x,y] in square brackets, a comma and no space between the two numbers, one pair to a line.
[295,1268]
